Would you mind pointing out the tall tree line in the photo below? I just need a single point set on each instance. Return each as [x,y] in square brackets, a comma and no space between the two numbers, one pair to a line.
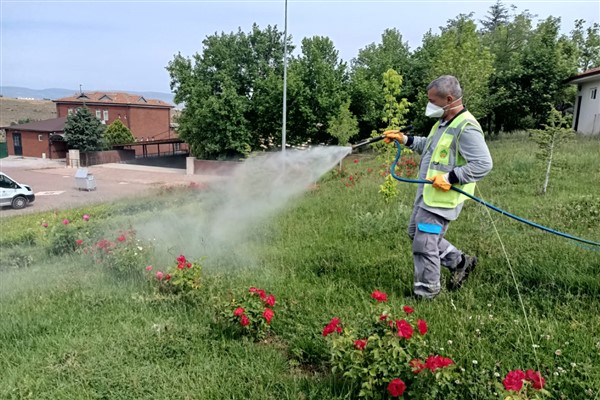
[511,68]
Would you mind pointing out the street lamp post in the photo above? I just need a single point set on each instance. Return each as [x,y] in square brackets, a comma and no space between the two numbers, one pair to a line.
[284,122]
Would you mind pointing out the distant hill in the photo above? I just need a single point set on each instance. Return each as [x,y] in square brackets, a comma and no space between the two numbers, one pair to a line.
[14,110]
[57,93]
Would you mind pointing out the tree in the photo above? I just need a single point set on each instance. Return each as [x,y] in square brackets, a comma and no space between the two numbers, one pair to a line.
[497,17]
[588,45]
[83,131]
[232,92]
[555,131]
[317,89]
[458,51]
[117,133]
[344,125]
[366,78]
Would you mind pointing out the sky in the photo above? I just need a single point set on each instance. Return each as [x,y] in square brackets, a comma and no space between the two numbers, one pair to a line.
[126,45]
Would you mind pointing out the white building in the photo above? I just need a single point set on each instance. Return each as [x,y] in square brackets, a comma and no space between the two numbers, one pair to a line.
[586,114]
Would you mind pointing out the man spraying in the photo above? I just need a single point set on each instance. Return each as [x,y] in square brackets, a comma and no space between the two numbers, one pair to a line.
[454,153]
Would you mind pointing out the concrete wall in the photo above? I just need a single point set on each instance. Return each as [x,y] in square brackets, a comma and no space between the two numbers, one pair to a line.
[589,115]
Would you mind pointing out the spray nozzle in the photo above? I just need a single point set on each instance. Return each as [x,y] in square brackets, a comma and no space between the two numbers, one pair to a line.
[378,138]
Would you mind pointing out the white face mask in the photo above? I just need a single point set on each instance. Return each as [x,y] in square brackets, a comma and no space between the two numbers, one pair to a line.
[434,111]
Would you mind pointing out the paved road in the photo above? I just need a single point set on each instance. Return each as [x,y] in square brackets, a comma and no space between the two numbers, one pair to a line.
[55,185]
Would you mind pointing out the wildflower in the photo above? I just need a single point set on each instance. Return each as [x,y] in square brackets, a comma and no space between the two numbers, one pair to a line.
[422,326]
[514,380]
[79,242]
[409,309]
[475,362]
[396,387]
[268,314]
[244,321]
[383,317]
[355,161]
[496,374]
[558,352]
[573,365]
[168,277]
[333,326]
[360,344]
[270,300]
[45,225]
[66,221]
[536,379]
[404,329]
[449,342]
[350,178]
[159,276]
[121,238]
[238,311]
[86,217]
[379,296]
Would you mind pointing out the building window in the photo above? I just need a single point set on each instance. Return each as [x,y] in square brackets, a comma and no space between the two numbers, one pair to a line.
[40,137]
[69,111]
[105,115]
[593,93]
[98,114]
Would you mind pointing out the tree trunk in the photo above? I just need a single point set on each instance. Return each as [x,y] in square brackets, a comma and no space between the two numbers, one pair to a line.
[549,165]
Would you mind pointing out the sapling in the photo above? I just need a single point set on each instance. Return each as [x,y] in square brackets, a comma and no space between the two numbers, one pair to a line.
[555,131]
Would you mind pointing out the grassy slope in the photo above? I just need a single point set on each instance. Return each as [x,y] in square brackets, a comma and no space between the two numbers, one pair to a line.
[69,331]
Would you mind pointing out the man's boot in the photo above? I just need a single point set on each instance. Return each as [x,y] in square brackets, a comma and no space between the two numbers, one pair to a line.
[462,271]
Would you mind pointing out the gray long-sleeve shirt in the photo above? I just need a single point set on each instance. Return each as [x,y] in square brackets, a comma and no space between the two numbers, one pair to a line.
[474,150]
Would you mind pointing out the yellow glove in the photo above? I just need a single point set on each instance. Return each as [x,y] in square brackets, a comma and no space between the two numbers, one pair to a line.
[440,182]
[390,136]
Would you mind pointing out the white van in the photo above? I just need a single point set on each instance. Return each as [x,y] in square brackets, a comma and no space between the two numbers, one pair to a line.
[13,193]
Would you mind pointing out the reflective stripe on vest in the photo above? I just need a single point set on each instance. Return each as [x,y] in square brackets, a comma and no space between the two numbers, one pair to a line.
[445,158]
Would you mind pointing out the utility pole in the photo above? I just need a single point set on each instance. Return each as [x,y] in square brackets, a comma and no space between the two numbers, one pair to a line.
[283,128]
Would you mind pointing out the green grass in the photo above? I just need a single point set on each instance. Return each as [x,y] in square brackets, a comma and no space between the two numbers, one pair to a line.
[69,330]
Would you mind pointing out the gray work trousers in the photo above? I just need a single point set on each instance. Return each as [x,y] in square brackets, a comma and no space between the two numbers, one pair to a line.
[430,251]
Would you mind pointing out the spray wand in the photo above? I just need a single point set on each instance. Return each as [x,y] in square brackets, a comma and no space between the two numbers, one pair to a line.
[378,138]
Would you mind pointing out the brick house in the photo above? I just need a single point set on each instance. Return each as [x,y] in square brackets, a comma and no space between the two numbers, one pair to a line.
[147,119]
[37,139]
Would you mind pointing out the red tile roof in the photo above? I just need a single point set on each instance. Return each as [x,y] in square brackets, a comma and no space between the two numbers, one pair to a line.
[47,125]
[113,98]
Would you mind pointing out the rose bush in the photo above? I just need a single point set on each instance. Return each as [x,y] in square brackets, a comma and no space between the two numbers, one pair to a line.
[251,313]
[388,356]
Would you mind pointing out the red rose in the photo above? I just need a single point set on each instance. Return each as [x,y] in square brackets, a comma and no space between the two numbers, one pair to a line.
[332,326]
[422,326]
[79,242]
[396,388]
[355,161]
[514,380]
[238,311]
[535,378]
[121,238]
[417,366]
[270,300]
[244,321]
[360,344]
[180,266]
[379,296]
[168,277]
[268,314]
[262,294]
[409,309]
[159,276]
[65,221]
[435,362]
[181,259]
[189,265]
[383,317]
[404,329]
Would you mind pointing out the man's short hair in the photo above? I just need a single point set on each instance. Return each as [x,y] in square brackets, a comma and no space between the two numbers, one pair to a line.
[446,85]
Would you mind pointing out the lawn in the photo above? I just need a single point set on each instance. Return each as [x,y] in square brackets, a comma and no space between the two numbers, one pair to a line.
[77,322]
